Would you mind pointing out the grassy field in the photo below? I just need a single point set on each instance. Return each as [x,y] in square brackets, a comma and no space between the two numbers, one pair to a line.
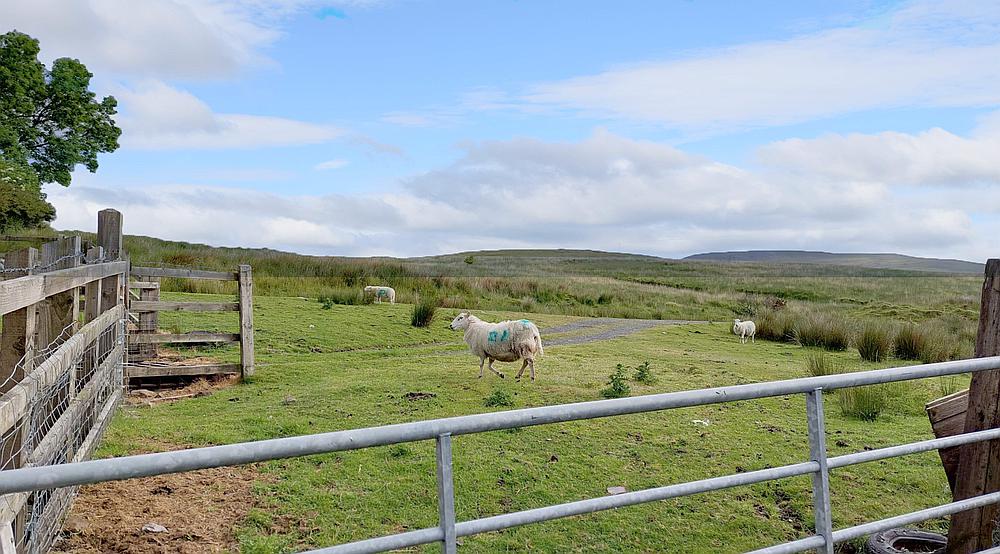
[352,366]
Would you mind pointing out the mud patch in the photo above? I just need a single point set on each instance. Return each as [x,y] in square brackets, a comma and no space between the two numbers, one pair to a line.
[200,511]
[411,396]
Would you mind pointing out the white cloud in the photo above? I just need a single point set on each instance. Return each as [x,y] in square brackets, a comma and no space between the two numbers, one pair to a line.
[924,55]
[200,39]
[156,116]
[331,164]
[605,192]
[933,157]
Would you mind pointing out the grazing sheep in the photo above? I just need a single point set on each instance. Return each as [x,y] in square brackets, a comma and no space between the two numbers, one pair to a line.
[379,293]
[745,330]
[507,341]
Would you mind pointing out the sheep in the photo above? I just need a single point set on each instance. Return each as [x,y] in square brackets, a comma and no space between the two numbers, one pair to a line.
[381,292]
[745,330]
[507,341]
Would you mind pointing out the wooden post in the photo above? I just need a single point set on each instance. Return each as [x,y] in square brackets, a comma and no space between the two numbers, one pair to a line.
[149,322]
[62,310]
[17,341]
[246,321]
[979,462]
[109,237]
[92,291]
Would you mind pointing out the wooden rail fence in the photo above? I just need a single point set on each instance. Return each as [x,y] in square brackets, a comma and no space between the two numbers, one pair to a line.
[61,361]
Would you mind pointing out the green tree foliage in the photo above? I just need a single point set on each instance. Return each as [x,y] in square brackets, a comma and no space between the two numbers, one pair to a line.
[49,122]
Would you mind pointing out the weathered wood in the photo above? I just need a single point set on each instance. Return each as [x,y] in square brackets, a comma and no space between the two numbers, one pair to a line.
[14,403]
[17,338]
[165,306]
[947,417]
[146,272]
[143,285]
[246,320]
[144,371]
[979,463]
[92,295]
[25,291]
[59,313]
[149,322]
[110,237]
[58,434]
[184,338]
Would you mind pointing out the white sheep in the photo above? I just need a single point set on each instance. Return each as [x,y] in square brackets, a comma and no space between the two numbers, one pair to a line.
[381,292]
[507,341]
[745,330]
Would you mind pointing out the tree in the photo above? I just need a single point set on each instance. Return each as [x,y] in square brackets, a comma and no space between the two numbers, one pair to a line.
[50,122]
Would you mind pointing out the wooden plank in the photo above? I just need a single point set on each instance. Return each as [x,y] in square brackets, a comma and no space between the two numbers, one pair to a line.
[111,239]
[164,306]
[14,403]
[59,313]
[246,320]
[18,335]
[143,285]
[947,406]
[146,272]
[184,338]
[979,463]
[138,371]
[60,431]
[24,291]
[92,294]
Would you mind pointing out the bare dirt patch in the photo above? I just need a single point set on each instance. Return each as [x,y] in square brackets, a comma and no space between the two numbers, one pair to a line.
[199,510]
[201,386]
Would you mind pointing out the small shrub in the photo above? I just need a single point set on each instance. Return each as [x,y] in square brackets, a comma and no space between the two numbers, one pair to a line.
[399,451]
[644,374]
[423,313]
[617,387]
[819,365]
[470,260]
[874,342]
[865,403]
[910,343]
[499,399]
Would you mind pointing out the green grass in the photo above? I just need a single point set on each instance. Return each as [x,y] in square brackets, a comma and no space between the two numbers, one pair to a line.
[351,367]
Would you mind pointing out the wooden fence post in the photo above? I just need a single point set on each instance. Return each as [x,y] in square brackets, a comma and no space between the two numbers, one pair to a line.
[979,462]
[246,321]
[62,310]
[109,237]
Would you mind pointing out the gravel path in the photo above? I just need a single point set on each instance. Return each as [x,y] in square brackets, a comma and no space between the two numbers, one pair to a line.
[610,328]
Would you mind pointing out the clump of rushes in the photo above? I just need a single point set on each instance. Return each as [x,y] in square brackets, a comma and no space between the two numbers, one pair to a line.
[874,342]
[423,312]
[775,325]
[911,343]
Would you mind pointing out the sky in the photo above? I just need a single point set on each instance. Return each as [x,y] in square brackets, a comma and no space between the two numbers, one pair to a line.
[408,127]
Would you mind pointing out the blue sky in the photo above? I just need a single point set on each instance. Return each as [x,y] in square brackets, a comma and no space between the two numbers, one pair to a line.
[403,127]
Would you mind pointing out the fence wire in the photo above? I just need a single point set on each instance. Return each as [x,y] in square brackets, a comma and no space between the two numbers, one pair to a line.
[61,424]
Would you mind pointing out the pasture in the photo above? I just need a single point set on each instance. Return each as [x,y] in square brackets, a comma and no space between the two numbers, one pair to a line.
[354,366]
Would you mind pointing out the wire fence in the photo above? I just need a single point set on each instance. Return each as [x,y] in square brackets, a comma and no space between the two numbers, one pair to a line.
[61,423]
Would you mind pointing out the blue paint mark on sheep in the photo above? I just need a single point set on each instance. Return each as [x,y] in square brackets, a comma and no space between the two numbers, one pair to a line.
[496,336]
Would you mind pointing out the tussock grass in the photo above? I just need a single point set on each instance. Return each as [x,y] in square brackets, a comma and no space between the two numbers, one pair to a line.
[825,331]
[423,312]
[910,343]
[868,403]
[874,341]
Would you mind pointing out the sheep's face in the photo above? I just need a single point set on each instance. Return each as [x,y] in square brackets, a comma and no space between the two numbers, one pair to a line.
[460,322]
[369,289]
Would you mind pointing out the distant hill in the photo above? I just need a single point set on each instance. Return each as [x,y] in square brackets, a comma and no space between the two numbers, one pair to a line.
[876,261]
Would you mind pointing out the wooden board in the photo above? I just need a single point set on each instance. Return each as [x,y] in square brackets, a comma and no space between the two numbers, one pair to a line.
[184,338]
[947,417]
[246,321]
[15,402]
[145,272]
[137,371]
[164,306]
[32,289]
[143,285]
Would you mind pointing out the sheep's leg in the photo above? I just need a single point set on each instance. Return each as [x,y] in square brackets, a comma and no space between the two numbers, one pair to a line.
[521,372]
[531,364]
[481,362]
[494,370]
[753,338]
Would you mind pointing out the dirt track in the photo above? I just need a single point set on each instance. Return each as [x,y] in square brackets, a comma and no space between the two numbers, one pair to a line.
[606,328]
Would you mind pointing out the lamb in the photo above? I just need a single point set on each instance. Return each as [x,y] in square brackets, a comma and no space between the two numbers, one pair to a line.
[745,330]
[507,341]
[381,292]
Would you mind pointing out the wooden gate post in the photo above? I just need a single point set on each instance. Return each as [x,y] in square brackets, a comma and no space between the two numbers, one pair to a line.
[109,237]
[979,462]
[246,321]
